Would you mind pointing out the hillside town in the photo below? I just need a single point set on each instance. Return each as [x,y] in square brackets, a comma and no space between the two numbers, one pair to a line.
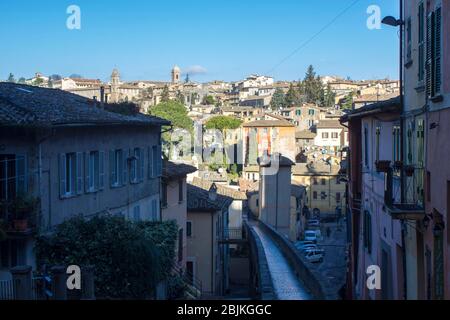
[210,189]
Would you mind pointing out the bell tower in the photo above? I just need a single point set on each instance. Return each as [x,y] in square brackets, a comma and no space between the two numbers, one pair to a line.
[176,74]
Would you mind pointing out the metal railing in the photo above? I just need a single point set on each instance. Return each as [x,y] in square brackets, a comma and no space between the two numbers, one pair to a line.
[233,234]
[7,291]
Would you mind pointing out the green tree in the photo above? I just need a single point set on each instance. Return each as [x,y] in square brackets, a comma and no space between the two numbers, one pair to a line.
[129,258]
[311,86]
[278,100]
[348,102]
[208,100]
[38,81]
[186,80]
[292,97]
[180,97]
[11,78]
[328,98]
[165,96]
[222,123]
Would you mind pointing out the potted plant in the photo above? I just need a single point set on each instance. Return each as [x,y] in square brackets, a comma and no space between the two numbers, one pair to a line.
[383,165]
[398,165]
[409,170]
[22,208]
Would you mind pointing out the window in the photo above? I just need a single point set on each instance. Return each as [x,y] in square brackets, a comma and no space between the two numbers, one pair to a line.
[12,176]
[338,197]
[324,135]
[315,195]
[136,166]
[154,209]
[257,202]
[137,213]
[323,195]
[180,245]
[421,42]
[366,146]
[338,180]
[95,171]
[323,182]
[180,190]
[190,270]
[311,112]
[396,144]
[315,181]
[420,143]
[367,231]
[377,142]
[189,229]
[434,52]
[334,135]
[164,195]
[408,40]
[70,174]
[118,168]
[155,162]
[298,112]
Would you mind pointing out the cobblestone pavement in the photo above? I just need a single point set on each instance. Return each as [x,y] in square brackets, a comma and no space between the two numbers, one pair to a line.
[285,282]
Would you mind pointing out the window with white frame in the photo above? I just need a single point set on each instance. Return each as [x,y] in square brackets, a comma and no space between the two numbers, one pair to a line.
[70,174]
[95,170]
[118,168]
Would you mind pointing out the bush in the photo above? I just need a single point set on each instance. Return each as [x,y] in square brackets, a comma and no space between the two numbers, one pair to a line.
[128,258]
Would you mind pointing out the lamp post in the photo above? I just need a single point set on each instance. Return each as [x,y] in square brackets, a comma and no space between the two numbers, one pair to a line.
[393,22]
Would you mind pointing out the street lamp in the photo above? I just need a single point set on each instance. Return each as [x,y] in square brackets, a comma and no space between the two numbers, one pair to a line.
[391,21]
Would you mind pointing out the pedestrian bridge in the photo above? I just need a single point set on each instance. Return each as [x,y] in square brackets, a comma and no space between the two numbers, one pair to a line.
[278,272]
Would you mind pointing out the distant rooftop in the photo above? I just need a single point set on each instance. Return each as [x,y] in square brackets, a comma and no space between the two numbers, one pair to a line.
[199,200]
[23,105]
[269,123]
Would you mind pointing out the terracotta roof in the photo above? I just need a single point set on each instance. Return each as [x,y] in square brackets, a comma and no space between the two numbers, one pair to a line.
[305,134]
[172,170]
[324,124]
[198,200]
[23,105]
[221,189]
[392,105]
[269,123]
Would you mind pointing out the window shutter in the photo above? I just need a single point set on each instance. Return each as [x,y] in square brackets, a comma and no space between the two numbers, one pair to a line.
[429,56]
[124,166]
[141,164]
[62,175]
[87,179]
[159,161]
[101,168]
[437,51]
[79,173]
[149,157]
[112,168]
[21,186]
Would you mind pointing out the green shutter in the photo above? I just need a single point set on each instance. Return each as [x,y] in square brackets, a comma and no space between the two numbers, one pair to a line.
[101,169]
[62,174]
[112,167]
[437,51]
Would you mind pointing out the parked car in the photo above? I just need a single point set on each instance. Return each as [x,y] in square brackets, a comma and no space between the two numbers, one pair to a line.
[300,244]
[311,235]
[308,248]
[313,223]
[314,255]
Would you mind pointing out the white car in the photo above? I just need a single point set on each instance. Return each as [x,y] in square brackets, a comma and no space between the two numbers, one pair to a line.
[311,235]
[308,247]
[314,255]
[313,223]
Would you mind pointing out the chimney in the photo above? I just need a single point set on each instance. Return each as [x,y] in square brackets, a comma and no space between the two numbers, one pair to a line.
[102,96]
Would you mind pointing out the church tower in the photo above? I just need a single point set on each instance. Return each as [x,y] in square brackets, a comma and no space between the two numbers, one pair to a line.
[176,74]
[115,82]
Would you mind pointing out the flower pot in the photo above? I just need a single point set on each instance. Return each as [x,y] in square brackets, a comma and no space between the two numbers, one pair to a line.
[383,165]
[398,165]
[20,224]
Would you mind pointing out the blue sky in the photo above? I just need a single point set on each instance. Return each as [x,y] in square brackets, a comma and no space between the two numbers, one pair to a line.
[228,38]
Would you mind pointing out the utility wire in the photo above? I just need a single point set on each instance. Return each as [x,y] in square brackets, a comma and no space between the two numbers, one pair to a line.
[304,44]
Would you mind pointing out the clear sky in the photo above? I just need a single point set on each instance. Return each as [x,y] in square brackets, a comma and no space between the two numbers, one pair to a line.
[218,39]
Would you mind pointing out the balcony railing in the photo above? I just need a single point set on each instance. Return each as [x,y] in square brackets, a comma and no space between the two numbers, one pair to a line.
[400,211]
[233,234]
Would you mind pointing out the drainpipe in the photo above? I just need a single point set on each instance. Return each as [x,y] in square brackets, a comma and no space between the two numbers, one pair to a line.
[402,153]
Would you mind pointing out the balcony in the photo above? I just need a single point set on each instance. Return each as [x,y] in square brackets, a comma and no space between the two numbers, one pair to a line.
[233,235]
[400,211]
[18,216]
